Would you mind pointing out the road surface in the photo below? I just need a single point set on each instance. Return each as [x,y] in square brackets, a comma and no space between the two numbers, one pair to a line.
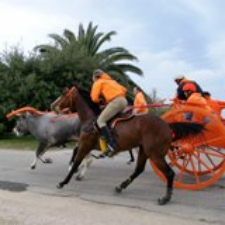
[31,197]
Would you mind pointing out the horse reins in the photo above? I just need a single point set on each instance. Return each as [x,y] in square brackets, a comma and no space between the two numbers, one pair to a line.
[68,95]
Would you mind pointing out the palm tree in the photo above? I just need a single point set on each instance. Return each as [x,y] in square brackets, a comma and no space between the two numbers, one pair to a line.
[78,55]
[89,44]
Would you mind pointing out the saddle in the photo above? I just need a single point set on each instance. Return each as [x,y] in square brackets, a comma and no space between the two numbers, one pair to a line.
[103,141]
[126,115]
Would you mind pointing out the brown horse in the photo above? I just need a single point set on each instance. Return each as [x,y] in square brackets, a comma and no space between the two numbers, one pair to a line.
[150,133]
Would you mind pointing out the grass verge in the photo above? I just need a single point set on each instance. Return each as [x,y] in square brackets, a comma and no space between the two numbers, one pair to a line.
[12,142]
[28,142]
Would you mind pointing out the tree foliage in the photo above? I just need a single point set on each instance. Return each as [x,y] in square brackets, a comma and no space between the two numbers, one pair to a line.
[39,78]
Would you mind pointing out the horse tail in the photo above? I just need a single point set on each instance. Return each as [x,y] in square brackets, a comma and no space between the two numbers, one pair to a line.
[185,130]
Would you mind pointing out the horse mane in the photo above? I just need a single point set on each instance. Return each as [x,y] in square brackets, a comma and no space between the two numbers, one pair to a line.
[86,96]
[24,110]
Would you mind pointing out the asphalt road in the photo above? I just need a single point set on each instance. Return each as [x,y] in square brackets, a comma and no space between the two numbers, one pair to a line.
[31,197]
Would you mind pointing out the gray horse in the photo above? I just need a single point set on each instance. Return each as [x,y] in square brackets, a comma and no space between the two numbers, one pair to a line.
[49,130]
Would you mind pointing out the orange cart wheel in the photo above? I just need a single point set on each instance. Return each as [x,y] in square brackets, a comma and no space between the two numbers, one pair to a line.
[200,149]
[200,160]
[194,181]
[196,161]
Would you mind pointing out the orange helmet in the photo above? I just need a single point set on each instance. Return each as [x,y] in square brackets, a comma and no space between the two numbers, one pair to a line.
[189,87]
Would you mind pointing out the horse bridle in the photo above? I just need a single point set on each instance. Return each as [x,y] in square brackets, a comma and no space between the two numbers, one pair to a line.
[68,95]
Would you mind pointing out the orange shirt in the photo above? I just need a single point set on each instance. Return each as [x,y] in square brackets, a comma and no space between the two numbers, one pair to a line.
[107,87]
[198,100]
[140,103]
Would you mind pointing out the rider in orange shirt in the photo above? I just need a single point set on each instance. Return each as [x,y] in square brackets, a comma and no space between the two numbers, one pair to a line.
[180,80]
[195,98]
[114,95]
[140,104]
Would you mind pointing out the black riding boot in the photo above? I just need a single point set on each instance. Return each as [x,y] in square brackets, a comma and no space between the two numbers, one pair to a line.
[106,133]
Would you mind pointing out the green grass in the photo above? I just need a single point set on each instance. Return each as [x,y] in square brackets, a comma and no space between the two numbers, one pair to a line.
[28,142]
[13,142]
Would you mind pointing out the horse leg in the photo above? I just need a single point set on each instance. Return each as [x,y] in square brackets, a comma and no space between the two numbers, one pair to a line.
[34,163]
[44,148]
[40,151]
[73,155]
[162,165]
[131,157]
[84,166]
[83,149]
[71,172]
[140,166]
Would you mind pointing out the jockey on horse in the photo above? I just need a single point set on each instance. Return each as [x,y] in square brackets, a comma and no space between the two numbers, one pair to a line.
[114,95]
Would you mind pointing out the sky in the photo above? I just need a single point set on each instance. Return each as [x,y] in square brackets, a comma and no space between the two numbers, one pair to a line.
[169,37]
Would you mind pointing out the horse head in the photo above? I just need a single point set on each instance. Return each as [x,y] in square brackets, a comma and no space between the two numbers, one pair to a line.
[74,98]
[21,127]
[65,101]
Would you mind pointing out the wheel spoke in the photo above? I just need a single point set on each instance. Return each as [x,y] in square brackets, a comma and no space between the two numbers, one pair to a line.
[210,160]
[199,164]
[218,150]
[194,170]
[203,163]
[207,156]
[206,152]
[184,165]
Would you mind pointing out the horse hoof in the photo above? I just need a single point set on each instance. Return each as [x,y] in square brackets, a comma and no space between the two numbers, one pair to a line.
[32,167]
[102,156]
[163,200]
[59,186]
[48,160]
[79,178]
[118,189]
[129,162]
